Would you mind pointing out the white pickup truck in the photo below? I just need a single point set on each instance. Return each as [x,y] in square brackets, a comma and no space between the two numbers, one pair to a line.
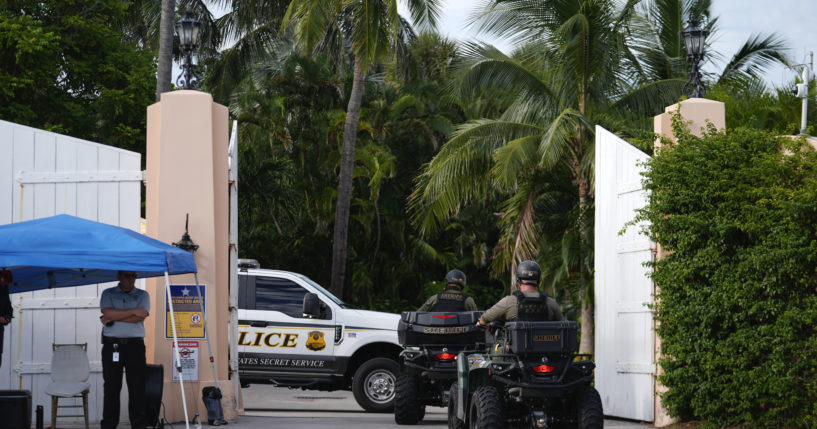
[294,333]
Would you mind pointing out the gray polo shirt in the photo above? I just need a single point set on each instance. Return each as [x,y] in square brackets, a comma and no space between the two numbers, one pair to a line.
[115,298]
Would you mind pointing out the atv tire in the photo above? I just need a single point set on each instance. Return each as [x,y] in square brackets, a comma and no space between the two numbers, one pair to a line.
[485,411]
[406,407]
[590,413]
[453,421]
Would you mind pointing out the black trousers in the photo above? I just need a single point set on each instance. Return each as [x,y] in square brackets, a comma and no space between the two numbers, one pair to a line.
[2,328]
[132,360]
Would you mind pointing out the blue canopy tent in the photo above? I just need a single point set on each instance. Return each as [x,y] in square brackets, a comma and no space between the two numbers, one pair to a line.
[64,251]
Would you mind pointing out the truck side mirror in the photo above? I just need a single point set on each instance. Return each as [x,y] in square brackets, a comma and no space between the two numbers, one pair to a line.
[312,305]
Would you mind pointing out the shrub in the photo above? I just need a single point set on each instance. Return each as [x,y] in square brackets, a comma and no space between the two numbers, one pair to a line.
[737,305]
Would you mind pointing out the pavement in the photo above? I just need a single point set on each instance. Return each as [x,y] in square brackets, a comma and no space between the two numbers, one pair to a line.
[267,406]
[270,407]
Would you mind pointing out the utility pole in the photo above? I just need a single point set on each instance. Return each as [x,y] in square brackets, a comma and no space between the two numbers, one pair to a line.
[801,91]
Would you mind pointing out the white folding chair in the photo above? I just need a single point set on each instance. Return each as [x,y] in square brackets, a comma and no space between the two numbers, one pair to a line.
[69,374]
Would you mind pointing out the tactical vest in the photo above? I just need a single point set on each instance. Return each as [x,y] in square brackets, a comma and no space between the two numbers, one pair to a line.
[450,300]
[532,309]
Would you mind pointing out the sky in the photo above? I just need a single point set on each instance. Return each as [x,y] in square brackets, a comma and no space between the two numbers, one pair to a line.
[738,20]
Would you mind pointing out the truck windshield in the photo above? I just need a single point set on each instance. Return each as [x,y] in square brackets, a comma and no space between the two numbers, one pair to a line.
[328,294]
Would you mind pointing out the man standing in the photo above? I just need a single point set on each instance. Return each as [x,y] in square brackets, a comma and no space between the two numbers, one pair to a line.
[124,309]
[451,298]
[527,304]
[5,306]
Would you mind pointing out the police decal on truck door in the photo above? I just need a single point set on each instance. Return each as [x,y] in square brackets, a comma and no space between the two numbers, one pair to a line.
[275,337]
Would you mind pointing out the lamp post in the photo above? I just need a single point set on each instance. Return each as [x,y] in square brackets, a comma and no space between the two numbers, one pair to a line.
[188,30]
[694,38]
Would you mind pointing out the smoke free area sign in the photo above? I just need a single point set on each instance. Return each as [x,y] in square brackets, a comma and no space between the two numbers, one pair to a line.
[189,358]
[188,311]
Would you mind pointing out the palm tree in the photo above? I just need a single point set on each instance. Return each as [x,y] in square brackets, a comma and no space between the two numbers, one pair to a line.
[582,62]
[571,74]
[165,55]
[373,29]
[253,27]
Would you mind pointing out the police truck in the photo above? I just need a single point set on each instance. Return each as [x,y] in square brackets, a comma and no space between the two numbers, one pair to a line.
[294,333]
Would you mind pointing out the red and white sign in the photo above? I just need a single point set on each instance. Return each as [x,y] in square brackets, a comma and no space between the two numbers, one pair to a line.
[189,357]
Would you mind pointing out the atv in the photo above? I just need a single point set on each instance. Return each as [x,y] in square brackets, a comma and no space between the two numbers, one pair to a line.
[428,363]
[530,377]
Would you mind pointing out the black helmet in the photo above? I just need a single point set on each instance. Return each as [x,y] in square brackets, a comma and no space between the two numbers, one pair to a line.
[528,270]
[456,277]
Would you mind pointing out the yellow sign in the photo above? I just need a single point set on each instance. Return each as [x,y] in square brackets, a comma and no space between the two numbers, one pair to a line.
[187,310]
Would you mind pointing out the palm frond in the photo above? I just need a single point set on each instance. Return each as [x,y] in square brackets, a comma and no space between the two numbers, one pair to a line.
[371,26]
[485,66]
[519,239]
[309,20]
[649,99]
[456,175]
[513,159]
[559,142]
[669,18]
[225,71]
[424,13]
[404,103]
[755,56]
[401,48]
[514,20]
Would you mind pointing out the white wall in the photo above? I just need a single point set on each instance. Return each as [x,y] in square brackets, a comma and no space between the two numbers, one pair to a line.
[44,174]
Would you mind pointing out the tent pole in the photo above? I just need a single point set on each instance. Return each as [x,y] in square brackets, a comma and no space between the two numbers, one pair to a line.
[178,367]
[206,335]
[233,246]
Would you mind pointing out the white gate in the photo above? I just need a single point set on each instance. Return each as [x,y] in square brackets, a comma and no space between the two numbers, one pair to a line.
[44,174]
[624,324]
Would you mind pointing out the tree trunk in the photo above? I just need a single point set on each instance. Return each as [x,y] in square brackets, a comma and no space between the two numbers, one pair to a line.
[165,57]
[587,343]
[347,163]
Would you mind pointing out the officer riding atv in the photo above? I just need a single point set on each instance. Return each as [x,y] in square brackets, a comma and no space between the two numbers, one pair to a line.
[432,337]
[530,375]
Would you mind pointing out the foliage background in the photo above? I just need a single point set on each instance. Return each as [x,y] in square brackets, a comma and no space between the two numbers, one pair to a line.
[66,67]
[737,305]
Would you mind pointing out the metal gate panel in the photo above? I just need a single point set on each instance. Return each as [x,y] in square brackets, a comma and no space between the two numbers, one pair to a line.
[43,174]
[623,291]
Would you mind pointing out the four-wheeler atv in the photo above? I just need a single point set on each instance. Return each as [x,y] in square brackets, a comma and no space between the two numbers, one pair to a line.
[431,342]
[530,377]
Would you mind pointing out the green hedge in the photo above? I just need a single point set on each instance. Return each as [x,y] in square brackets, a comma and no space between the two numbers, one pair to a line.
[737,305]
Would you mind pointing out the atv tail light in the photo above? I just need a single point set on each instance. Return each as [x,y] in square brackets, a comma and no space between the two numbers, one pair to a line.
[444,316]
[543,368]
[446,356]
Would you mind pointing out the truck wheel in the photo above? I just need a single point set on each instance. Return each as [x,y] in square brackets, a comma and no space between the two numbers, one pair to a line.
[485,411]
[373,384]
[591,415]
[406,408]
[453,421]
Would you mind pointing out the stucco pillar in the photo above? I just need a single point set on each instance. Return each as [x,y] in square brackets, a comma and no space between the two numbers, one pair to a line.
[187,173]
[697,113]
